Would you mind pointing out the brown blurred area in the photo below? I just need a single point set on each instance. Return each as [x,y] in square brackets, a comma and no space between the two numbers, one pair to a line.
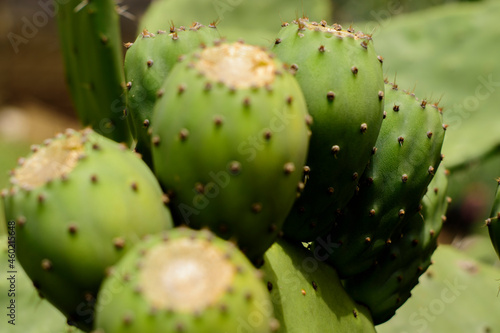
[34,100]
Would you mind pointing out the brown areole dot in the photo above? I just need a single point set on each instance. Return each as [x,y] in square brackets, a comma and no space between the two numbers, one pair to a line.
[288,168]
[330,96]
[46,265]
[72,228]
[183,134]
[404,178]
[380,95]
[257,207]
[363,127]
[354,70]
[150,63]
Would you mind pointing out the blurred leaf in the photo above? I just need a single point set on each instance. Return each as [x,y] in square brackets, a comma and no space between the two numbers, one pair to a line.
[456,294]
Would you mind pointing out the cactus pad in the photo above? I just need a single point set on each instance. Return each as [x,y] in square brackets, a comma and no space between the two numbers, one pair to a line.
[307,294]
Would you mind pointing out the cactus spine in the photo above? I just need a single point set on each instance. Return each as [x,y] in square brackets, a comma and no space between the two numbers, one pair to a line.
[493,222]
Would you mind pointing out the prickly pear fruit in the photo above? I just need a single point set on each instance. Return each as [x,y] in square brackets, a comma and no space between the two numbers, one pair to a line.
[92,51]
[407,153]
[184,281]
[76,205]
[493,222]
[386,287]
[230,139]
[307,294]
[147,63]
[342,81]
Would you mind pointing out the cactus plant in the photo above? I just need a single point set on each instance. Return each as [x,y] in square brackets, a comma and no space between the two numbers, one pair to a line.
[184,281]
[341,77]
[147,63]
[386,287]
[408,151]
[307,294]
[76,204]
[91,45]
[229,143]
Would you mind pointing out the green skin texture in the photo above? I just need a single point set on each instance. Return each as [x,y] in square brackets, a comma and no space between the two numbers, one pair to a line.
[456,294]
[382,187]
[163,49]
[336,122]
[386,287]
[33,315]
[253,21]
[289,269]
[494,222]
[92,52]
[205,156]
[102,211]
[117,299]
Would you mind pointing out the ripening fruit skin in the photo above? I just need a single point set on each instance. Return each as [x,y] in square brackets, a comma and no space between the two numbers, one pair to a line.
[341,78]
[78,203]
[148,61]
[184,281]
[408,151]
[385,287]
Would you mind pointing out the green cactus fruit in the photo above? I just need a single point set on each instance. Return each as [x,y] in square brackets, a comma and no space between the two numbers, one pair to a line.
[408,151]
[307,294]
[230,140]
[493,222]
[92,51]
[341,77]
[456,294]
[184,281]
[26,312]
[254,21]
[76,205]
[147,63]
[386,287]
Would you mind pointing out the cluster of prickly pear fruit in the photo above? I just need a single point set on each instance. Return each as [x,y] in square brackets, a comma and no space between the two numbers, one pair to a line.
[266,148]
